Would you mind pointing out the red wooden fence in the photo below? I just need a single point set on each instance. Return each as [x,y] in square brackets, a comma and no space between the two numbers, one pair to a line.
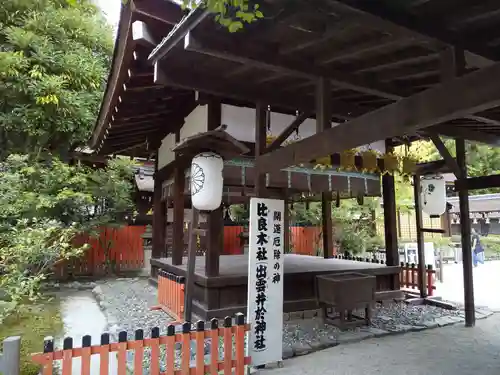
[120,249]
[170,294]
[233,359]
[408,278]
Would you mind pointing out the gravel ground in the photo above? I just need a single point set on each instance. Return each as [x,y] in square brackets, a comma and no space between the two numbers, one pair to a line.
[126,304]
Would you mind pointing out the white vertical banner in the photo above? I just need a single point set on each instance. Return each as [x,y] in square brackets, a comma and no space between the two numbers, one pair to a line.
[265,281]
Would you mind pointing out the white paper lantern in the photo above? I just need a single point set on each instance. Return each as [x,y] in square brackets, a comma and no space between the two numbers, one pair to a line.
[433,195]
[206,181]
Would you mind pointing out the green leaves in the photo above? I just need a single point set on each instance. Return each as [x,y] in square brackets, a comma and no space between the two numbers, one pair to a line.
[232,14]
[53,66]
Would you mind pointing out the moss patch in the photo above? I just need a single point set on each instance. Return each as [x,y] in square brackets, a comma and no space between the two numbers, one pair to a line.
[32,323]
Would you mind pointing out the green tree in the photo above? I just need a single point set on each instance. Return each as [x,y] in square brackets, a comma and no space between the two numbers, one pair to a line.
[54,57]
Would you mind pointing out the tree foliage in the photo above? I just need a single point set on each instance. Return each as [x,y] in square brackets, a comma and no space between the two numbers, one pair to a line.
[44,206]
[54,57]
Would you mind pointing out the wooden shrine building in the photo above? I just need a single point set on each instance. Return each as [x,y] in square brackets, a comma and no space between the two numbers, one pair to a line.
[341,74]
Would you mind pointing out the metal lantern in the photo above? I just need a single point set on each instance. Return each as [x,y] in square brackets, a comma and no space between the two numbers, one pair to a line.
[206,181]
[433,195]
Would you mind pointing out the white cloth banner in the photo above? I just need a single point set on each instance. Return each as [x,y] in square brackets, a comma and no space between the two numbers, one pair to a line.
[265,281]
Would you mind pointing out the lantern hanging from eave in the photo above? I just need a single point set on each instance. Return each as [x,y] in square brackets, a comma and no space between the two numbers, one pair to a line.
[433,195]
[206,181]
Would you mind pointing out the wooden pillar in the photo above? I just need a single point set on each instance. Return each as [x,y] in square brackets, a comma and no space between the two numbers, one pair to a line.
[286,225]
[178,224]
[323,122]
[465,230]
[446,223]
[390,227]
[215,219]
[215,243]
[420,238]
[260,145]
[158,218]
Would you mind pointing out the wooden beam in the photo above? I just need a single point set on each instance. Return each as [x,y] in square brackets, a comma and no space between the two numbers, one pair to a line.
[404,23]
[166,12]
[390,216]
[178,224]
[477,183]
[260,145]
[457,98]
[217,87]
[420,237]
[356,50]
[215,242]
[294,125]
[142,35]
[159,211]
[484,120]
[465,230]
[260,58]
[455,131]
[324,121]
[185,25]
[445,154]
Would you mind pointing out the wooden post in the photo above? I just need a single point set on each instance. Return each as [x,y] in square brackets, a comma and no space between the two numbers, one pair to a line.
[215,243]
[178,224]
[421,271]
[158,242]
[191,265]
[323,122]
[260,146]
[465,229]
[390,227]
[286,226]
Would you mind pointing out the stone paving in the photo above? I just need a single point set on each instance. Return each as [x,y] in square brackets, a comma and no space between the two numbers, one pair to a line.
[453,350]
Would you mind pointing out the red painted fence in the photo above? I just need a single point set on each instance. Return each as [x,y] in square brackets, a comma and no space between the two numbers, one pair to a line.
[119,249]
[227,358]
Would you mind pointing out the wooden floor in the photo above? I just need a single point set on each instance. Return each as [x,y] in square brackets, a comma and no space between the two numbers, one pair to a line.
[237,265]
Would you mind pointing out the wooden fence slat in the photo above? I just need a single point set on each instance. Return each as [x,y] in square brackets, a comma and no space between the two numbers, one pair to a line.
[67,362]
[104,355]
[228,346]
[186,348]
[139,352]
[200,348]
[240,344]
[122,353]
[214,339]
[170,350]
[86,353]
[155,350]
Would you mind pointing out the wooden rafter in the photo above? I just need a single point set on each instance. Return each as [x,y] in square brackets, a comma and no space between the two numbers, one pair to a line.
[255,56]
[293,126]
[405,24]
[164,11]
[221,88]
[445,154]
[478,91]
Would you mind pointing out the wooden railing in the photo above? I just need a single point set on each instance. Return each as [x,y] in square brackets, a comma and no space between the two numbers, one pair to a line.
[170,294]
[170,354]
[408,276]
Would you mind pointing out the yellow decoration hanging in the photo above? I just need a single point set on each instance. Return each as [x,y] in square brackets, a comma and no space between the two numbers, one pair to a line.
[348,160]
[323,162]
[270,139]
[409,166]
[369,161]
[391,163]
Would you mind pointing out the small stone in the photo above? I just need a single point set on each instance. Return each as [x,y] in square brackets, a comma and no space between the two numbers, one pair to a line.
[384,318]
[97,290]
[287,352]
[301,348]
[309,314]
[349,337]
[377,332]
[286,317]
[296,315]
[444,321]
